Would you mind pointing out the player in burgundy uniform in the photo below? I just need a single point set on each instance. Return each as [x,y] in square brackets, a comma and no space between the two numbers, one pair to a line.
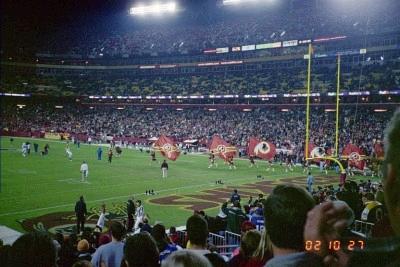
[252,162]
[231,163]
[270,166]
[211,160]
[153,157]
[110,155]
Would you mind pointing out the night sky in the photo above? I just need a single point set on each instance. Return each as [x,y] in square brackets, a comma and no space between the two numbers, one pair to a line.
[26,24]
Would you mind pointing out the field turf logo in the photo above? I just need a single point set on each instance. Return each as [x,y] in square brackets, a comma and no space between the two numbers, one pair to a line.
[213,198]
[65,222]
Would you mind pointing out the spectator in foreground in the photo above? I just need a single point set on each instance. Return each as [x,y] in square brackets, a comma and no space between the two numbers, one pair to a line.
[33,250]
[285,213]
[216,260]
[173,235]
[141,250]
[83,250]
[4,254]
[235,217]
[111,254]
[247,253]
[164,245]
[197,233]
[379,252]
[186,258]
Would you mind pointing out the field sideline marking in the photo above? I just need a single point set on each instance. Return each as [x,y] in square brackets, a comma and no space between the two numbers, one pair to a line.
[118,197]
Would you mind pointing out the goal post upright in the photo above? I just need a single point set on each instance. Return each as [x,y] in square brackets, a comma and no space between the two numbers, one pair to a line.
[337,107]
[308,101]
[335,157]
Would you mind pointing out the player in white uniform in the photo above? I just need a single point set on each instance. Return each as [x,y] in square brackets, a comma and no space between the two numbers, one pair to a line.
[102,218]
[24,149]
[69,153]
[139,214]
[84,171]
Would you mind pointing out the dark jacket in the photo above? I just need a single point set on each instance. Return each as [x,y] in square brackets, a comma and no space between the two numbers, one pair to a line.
[235,218]
[80,208]
[130,208]
[164,165]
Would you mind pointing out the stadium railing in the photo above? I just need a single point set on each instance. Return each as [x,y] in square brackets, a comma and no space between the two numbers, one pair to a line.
[362,228]
[223,244]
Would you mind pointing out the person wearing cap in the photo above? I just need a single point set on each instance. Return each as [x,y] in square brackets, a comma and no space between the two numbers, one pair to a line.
[83,250]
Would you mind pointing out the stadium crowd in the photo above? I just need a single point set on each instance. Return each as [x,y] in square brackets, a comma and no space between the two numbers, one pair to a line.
[285,129]
[275,231]
[219,27]
[371,76]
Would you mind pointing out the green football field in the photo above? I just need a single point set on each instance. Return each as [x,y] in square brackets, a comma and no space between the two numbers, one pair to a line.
[36,185]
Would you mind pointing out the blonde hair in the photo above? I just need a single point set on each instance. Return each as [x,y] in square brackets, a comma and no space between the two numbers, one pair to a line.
[264,246]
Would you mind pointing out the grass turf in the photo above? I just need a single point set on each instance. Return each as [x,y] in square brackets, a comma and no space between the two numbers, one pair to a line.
[36,185]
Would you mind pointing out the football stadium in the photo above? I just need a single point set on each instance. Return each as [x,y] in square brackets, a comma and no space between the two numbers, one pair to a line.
[200,133]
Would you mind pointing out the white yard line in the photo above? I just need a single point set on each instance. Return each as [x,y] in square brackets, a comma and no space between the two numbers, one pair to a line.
[227,182]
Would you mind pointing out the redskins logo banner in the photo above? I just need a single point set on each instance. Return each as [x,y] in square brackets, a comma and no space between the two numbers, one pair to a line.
[355,156]
[261,149]
[221,148]
[167,148]
[316,152]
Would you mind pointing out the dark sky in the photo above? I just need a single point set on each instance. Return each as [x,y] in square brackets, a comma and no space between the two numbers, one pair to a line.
[27,23]
[45,15]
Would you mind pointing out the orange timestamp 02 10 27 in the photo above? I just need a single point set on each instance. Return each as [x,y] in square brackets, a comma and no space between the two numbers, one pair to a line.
[335,245]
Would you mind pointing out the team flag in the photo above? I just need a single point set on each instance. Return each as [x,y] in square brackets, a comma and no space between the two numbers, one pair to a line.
[221,148]
[316,152]
[167,147]
[355,156]
[261,149]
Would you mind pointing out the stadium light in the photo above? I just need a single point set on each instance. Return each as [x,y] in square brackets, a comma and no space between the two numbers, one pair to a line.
[235,2]
[156,8]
